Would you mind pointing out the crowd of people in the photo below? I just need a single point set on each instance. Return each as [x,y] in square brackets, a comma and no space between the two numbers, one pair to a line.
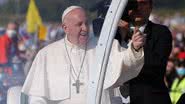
[18,49]
[175,69]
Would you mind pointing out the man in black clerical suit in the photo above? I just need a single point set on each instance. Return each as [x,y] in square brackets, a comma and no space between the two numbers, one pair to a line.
[149,87]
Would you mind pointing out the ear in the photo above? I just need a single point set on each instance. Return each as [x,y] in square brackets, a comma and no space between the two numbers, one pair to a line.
[65,28]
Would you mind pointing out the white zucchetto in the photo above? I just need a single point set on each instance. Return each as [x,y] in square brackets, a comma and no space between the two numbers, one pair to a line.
[69,9]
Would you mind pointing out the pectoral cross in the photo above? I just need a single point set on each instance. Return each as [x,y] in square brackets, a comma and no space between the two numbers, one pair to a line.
[77,84]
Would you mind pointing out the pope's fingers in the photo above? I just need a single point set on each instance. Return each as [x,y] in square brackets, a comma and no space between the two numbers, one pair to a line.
[136,29]
[138,44]
[140,40]
[137,36]
[138,33]
[122,23]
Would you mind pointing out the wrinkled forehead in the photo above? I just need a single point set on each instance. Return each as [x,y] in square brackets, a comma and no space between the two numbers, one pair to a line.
[75,12]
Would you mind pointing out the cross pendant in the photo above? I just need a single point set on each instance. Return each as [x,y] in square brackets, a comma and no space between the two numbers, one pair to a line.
[77,84]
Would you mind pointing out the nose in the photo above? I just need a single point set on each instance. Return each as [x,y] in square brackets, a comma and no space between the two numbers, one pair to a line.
[85,27]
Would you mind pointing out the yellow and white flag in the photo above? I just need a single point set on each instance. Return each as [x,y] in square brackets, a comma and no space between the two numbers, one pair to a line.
[34,21]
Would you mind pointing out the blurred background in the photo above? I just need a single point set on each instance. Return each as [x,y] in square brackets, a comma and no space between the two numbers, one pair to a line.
[51,10]
[28,25]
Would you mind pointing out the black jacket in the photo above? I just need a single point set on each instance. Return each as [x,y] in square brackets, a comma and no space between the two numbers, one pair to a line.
[149,87]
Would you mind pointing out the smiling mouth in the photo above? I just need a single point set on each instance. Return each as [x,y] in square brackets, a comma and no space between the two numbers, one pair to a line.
[83,34]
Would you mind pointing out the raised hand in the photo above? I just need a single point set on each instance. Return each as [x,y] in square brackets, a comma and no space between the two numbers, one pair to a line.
[138,39]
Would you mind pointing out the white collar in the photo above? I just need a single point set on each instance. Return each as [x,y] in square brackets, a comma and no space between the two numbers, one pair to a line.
[141,28]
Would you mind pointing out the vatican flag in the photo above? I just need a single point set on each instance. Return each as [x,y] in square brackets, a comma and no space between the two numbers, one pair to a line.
[42,32]
[34,21]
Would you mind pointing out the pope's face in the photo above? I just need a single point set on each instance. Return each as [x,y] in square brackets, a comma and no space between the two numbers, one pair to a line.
[141,14]
[76,27]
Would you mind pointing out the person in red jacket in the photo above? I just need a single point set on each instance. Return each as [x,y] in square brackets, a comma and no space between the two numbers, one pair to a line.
[8,46]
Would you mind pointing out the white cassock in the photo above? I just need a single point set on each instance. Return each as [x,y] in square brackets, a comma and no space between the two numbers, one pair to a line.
[54,71]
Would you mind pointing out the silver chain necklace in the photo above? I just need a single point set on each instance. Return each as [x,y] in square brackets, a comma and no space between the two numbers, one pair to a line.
[77,83]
